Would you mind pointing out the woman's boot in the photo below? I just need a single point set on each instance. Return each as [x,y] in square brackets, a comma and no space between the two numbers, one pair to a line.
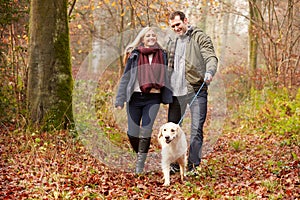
[144,144]
[134,141]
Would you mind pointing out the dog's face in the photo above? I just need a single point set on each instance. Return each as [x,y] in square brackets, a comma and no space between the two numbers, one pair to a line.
[168,132]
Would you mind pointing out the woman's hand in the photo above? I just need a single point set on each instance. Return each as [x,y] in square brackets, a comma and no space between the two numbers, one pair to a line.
[119,107]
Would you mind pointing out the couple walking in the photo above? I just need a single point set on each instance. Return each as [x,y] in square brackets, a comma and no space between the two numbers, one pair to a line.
[172,76]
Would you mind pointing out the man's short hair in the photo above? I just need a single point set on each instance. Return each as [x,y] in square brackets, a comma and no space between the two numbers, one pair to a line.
[177,13]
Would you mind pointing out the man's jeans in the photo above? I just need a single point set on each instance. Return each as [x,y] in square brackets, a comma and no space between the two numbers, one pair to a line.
[198,116]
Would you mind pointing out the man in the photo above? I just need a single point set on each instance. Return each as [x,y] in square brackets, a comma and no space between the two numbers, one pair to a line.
[192,60]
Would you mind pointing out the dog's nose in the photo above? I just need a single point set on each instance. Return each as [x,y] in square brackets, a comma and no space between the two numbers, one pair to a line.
[167,137]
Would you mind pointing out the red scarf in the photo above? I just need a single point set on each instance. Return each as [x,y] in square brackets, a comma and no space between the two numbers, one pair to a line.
[151,75]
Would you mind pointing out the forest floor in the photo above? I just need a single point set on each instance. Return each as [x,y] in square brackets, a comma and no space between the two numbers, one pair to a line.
[54,166]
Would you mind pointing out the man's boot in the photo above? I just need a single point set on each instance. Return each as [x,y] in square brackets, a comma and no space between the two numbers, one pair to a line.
[144,144]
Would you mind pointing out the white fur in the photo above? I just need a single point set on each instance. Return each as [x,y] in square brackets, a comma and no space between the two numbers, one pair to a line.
[174,149]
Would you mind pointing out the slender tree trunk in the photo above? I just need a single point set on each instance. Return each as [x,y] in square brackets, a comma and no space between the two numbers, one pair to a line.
[253,40]
[204,12]
[121,41]
[224,35]
[50,84]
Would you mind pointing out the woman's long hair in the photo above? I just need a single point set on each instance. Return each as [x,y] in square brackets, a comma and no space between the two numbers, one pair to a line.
[138,41]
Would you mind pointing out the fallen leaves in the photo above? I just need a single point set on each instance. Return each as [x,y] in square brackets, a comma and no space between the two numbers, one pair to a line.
[63,169]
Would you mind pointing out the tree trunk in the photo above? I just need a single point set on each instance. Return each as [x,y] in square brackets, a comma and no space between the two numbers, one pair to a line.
[204,13]
[253,40]
[224,35]
[50,83]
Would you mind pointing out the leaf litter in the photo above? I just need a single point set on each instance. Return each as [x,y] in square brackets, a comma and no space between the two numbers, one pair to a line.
[58,167]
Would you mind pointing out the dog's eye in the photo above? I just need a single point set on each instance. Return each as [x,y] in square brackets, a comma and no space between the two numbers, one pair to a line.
[165,129]
[172,130]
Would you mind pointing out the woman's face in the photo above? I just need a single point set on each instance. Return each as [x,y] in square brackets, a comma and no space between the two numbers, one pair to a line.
[149,39]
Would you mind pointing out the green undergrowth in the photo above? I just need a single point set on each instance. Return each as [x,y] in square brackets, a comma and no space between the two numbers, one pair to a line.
[104,104]
[271,111]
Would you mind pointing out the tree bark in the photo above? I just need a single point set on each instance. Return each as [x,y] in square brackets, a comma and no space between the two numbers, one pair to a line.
[204,13]
[254,6]
[224,34]
[50,83]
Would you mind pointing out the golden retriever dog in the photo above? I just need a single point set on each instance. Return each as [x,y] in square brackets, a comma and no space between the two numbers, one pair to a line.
[174,149]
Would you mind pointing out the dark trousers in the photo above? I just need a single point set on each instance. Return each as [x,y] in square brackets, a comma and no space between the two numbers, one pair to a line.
[198,111]
[142,110]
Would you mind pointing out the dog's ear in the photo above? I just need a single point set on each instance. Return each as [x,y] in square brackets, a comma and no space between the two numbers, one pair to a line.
[160,132]
[178,129]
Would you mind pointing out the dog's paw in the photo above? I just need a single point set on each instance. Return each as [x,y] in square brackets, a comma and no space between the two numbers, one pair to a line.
[183,179]
[166,184]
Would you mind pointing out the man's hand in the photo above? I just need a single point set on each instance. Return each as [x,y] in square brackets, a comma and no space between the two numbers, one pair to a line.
[208,77]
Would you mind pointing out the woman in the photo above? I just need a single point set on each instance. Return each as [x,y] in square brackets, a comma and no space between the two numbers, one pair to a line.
[143,86]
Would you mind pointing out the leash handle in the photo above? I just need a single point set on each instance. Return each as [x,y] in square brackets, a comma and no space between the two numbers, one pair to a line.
[181,119]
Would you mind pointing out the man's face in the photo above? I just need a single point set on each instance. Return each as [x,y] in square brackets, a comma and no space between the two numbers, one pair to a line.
[178,26]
